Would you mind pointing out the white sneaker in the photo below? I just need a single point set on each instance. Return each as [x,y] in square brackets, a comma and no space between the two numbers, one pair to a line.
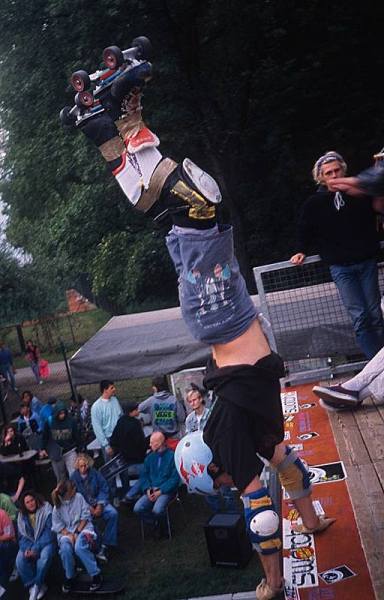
[33,591]
[2,591]
[42,591]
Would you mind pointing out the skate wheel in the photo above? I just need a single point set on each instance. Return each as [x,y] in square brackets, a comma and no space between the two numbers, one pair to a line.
[84,99]
[80,81]
[65,116]
[144,47]
[113,57]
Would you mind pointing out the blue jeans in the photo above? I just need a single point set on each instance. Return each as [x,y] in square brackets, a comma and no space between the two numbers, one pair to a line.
[214,300]
[34,571]
[36,370]
[8,551]
[150,512]
[7,372]
[135,488]
[110,516]
[359,290]
[82,551]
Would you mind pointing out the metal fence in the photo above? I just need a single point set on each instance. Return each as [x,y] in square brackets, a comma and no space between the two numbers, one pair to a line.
[310,328]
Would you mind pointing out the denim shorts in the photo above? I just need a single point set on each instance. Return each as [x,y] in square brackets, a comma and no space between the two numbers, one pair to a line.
[214,300]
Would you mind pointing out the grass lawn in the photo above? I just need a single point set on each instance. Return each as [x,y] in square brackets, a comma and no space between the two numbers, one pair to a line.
[167,569]
[84,326]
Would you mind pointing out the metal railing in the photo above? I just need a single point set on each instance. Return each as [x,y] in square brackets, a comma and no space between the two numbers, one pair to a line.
[310,327]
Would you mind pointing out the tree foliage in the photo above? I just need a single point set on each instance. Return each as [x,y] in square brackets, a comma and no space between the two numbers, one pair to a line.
[25,292]
[253,91]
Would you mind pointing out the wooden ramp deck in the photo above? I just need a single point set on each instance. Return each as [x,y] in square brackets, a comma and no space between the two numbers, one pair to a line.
[345,452]
[359,437]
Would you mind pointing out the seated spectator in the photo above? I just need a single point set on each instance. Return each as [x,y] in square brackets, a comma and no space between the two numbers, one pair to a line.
[159,481]
[76,536]
[8,548]
[12,480]
[7,503]
[225,501]
[28,398]
[351,393]
[95,490]
[128,440]
[167,414]
[36,543]
[46,412]
[61,440]
[13,443]
[28,423]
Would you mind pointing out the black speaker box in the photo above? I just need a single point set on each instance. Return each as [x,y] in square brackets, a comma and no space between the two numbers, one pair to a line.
[227,542]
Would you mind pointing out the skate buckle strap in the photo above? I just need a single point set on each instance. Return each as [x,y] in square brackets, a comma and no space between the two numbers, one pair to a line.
[255,503]
[112,149]
[159,175]
[199,207]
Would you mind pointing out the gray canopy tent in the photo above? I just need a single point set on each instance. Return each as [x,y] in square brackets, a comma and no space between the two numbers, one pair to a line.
[138,345]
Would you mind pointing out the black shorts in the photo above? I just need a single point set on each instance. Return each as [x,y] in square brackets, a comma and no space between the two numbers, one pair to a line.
[247,417]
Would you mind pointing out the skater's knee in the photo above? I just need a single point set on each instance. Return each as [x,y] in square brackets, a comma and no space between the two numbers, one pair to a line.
[294,475]
[262,521]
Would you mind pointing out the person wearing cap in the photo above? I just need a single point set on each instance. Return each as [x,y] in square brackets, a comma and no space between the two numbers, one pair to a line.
[342,229]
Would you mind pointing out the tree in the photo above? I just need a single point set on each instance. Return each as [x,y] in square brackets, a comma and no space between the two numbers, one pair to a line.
[253,93]
[25,292]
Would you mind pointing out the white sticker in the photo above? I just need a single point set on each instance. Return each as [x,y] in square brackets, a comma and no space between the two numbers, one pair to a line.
[289,403]
[287,435]
[300,569]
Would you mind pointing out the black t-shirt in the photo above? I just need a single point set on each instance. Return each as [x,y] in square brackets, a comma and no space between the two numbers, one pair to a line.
[341,236]
[247,417]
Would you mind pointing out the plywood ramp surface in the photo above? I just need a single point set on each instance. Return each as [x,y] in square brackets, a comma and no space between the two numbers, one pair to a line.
[347,469]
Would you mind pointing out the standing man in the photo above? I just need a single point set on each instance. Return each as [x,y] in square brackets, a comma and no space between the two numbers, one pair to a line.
[342,229]
[166,412]
[159,481]
[105,413]
[6,365]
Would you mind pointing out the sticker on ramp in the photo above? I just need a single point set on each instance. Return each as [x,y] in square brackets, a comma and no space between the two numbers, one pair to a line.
[289,403]
[327,473]
[336,574]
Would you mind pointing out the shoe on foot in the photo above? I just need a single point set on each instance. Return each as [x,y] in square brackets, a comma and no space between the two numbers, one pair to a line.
[102,554]
[33,591]
[337,396]
[324,523]
[43,589]
[67,586]
[265,592]
[96,583]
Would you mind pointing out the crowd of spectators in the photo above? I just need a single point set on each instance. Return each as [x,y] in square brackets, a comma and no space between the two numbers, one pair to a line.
[134,442]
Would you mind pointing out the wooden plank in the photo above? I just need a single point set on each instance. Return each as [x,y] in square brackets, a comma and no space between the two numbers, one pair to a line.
[379,468]
[379,405]
[368,502]
[349,441]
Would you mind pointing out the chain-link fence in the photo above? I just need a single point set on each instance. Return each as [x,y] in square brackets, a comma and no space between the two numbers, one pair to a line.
[310,327]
